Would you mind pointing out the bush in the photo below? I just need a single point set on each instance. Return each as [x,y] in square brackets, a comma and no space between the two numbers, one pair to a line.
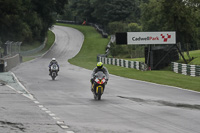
[134,27]
[117,50]
[114,27]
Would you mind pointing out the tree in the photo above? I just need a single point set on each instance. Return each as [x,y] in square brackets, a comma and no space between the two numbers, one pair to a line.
[11,24]
[60,5]
[169,15]
[117,27]
[113,10]
[151,17]
[27,20]
[134,27]
[82,9]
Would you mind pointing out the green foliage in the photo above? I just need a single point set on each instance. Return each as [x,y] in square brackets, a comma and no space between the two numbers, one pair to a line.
[126,51]
[59,6]
[87,59]
[135,12]
[118,50]
[27,20]
[197,29]
[109,11]
[49,43]
[181,16]
[151,17]
[82,9]
[67,14]
[114,27]
[170,15]
[134,27]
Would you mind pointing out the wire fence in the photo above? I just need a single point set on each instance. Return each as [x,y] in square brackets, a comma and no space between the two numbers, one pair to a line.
[10,48]
[33,51]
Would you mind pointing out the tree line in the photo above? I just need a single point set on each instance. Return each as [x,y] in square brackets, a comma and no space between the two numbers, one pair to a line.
[28,20]
[181,16]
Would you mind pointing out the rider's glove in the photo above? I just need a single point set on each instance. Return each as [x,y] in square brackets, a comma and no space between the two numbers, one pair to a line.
[106,81]
[91,80]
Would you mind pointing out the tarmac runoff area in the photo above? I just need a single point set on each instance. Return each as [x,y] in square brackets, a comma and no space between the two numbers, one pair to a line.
[10,80]
[13,103]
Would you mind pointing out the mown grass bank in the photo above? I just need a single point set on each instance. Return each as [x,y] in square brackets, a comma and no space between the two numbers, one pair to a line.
[196,55]
[94,44]
[50,41]
[193,54]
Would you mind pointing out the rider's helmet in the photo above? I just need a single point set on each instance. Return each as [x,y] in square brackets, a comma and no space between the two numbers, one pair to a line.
[99,65]
[53,59]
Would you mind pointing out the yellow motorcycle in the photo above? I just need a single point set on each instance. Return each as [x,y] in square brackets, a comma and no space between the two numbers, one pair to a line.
[98,85]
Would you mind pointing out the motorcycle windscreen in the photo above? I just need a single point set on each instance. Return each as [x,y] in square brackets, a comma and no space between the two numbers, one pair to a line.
[54,67]
[100,75]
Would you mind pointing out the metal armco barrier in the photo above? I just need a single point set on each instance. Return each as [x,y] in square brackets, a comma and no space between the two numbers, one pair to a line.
[97,27]
[192,70]
[123,63]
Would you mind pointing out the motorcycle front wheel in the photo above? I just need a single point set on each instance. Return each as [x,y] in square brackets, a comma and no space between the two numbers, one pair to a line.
[99,94]
[53,76]
[95,97]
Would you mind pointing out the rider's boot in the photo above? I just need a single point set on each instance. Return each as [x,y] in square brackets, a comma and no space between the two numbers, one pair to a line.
[92,87]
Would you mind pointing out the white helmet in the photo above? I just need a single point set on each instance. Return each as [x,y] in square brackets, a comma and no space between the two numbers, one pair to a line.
[53,59]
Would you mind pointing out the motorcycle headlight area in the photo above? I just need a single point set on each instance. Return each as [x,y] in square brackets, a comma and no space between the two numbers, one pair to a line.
[103,80]
[97,80]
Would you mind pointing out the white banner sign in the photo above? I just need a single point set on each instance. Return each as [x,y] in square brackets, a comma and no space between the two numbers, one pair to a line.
[151,37]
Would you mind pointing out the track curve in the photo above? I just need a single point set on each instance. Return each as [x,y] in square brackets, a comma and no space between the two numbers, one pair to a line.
[127,106]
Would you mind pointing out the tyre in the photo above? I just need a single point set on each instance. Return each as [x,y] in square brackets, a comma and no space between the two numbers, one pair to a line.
[99,94]
[95,97]
[53,75]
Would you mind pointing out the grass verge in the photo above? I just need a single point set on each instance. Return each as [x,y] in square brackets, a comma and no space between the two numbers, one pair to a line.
[94,44]
[196,55]
[50,41]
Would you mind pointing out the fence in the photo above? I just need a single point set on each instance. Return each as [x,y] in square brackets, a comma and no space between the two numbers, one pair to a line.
[192,70]
[10,57]
[123,63]
[33,51]
[9,62]
[11,48]
[112,40]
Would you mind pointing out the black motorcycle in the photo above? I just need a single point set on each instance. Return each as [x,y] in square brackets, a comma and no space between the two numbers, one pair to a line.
[98,85]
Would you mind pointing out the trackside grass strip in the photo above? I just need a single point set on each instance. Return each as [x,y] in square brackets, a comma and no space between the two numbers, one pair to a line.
[49,43]
[94,44]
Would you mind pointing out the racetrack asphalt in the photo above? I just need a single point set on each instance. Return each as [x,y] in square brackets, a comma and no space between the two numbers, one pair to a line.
[127,106]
